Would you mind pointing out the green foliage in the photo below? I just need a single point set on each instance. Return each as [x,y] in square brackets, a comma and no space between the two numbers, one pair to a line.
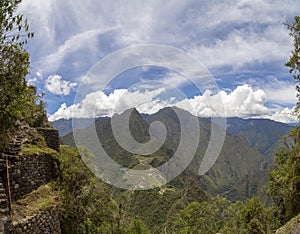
[138,227]
[87,204]
[200,218]
[294,61]
[219,215]
[255,216]
[17,99]
[284,179]
[151,206]
[13,29]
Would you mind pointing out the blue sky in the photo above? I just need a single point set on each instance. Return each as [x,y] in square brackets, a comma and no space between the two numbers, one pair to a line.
[242,43]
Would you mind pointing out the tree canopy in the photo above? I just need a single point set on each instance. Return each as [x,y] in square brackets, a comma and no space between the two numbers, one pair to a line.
[18,100]
[284,179]
[294,60]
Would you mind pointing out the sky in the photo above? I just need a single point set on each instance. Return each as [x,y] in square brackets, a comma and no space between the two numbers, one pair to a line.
[242,44]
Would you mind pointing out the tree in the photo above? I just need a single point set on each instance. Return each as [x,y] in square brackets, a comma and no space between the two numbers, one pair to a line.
[294,61]
[284,179]
[17,99]
[220,215]
[204,217]
[138,227]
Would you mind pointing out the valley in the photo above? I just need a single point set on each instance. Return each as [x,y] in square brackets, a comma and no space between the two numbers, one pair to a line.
[240,172]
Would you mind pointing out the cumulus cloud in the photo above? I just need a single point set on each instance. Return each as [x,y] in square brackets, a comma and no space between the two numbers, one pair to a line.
[241,102]
[286,115]
[56,85]
[100,104]
[278,91]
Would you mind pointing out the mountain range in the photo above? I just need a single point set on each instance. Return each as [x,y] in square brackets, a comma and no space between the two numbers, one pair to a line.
[239,172]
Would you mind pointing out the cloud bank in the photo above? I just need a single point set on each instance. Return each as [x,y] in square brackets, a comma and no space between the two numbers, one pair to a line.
[228,37]
[243,102]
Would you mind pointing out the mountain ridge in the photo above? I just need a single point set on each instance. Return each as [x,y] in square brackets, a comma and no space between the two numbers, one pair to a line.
[239,161]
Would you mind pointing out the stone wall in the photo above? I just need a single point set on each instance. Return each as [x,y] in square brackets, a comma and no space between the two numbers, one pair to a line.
[40,223]
[51,136]
[28,173]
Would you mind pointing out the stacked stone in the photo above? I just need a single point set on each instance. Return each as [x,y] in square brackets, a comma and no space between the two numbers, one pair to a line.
[40,223]
[4,209]
[28,173]
[51,136]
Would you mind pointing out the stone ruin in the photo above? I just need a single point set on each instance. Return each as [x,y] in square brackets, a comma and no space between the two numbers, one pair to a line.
[20,174]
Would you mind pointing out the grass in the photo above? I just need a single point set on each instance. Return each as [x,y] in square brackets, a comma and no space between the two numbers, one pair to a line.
[30,149]
[39,200]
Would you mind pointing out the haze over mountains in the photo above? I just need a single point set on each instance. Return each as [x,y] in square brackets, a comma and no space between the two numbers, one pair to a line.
[239,172]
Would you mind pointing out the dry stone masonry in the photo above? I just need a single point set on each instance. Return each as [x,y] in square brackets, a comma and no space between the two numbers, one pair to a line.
[51,137]
[43,222]
[26,173]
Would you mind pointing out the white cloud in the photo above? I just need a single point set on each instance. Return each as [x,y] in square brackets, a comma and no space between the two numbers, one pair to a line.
[71,36]
[241,102]
[32,81]
[99,104]
[56,85]
[234,32]
[242,48]
[285,115]
[84,40]
[278,91]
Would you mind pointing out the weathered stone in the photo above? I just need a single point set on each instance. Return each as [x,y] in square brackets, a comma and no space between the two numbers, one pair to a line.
[27,173]
[51,136]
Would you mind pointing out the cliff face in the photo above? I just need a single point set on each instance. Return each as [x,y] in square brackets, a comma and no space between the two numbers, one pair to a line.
[25,165]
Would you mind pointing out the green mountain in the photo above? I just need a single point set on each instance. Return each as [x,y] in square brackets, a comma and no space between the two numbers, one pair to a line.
[65,126]
[238,163]
[242,163]
[263,134]
[240,171]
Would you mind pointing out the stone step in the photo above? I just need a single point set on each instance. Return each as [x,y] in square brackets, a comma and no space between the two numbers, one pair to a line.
[13,147]
[12,152]
[4,211]
[4,205]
